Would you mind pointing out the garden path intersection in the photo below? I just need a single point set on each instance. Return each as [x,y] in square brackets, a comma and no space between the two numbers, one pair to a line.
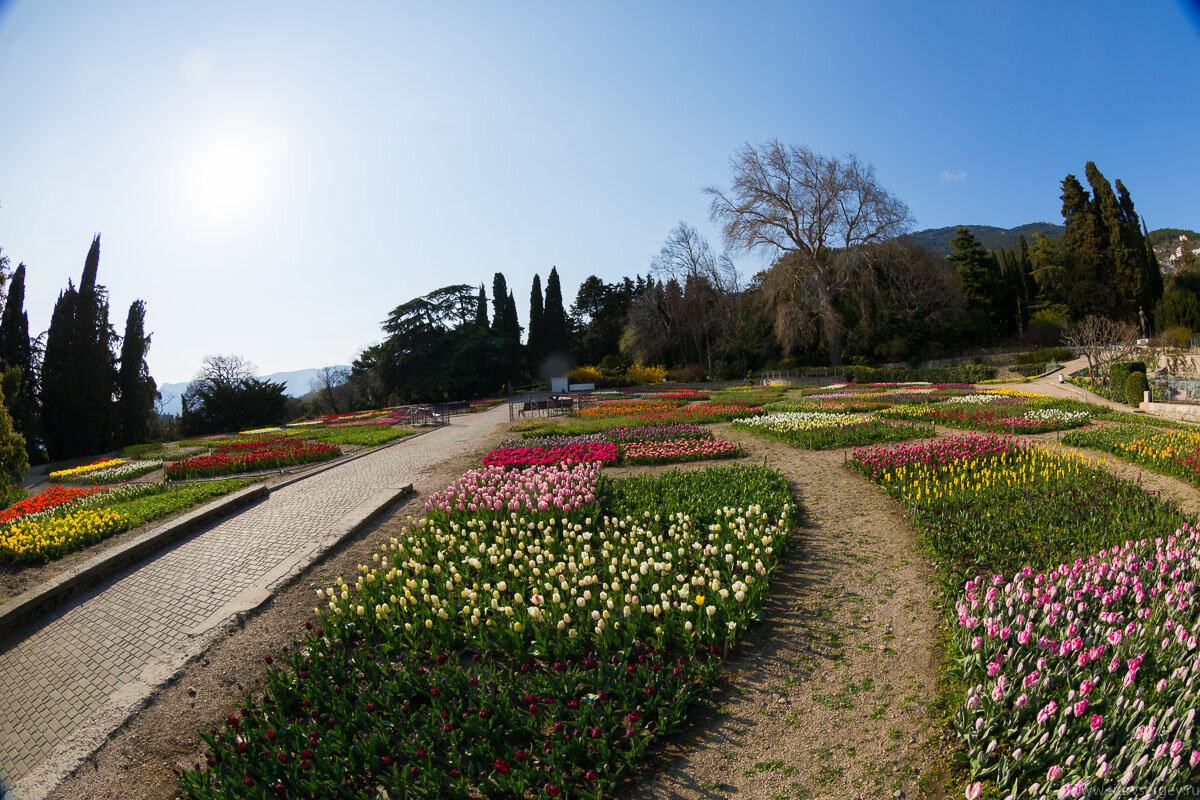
[75,674]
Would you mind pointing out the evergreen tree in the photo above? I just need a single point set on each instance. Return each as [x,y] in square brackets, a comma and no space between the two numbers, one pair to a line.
[137,391]
[79,371]
[512,323]
[1086,275]
[979,273]
[481,315]
[499,301]
[554,321]
[58,382]
[535,347]
[16,352]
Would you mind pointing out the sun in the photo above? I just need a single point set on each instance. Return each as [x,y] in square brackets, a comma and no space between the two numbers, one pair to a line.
[230,174]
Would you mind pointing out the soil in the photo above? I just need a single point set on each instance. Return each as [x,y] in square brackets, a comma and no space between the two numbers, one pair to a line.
[831,696]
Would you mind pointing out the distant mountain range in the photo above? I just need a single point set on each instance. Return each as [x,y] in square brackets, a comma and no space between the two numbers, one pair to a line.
[993,238]
[297,386]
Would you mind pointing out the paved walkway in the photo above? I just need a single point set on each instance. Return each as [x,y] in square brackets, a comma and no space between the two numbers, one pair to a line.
[86,665]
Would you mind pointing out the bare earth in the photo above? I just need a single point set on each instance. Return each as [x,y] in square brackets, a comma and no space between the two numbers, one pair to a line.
[827,698]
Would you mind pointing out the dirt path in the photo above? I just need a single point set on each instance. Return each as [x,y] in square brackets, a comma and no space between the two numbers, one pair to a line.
[828,697]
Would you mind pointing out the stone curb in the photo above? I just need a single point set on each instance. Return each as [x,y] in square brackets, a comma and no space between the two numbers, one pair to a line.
[72,752]
[34,602]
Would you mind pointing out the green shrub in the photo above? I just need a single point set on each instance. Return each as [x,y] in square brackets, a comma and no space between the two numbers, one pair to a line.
[1117,374]
[1135,385]
[14,460]
[1029,370]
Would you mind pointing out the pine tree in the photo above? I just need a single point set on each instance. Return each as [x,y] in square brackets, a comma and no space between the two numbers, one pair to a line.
[136,389]
[554,320]
[979,273]
[481,315]
[536,322]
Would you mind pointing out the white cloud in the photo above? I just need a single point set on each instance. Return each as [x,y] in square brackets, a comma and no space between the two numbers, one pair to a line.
[952,176]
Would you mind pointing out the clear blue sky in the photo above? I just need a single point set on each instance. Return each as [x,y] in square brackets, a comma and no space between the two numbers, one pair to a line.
[273,178]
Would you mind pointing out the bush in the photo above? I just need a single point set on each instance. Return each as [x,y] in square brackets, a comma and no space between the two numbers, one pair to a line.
[14,460]
[585,375]
[1178,337]
[1029,370]
[1135,385]
[645,375]
[1044,355]
[1119,372]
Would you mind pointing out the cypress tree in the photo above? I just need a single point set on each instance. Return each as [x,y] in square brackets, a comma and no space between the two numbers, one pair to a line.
[1125,257]
[554,319]
[136,389]
[14,326]
[16,352]
[481,315]
[499,301]
[1086,278]
[58,377]
[79,371]
[536,322]
[512,324]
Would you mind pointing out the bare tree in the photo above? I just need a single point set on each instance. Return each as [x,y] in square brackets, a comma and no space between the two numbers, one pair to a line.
[332,385]
[228,370]
[707,309]
[813,214]
[1103,341]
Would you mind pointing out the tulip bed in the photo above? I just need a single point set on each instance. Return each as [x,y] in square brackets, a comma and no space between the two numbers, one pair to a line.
[992,504]
[248,456]
[591,452]
[815,430]
[651,444]
[1173,452]
[1081,678]
[1077,671]
[516,656]
[701,413]
[496,491]
[123,472]
[1003,415]
[60,521]
[625,408]
[76,472]
[677,450]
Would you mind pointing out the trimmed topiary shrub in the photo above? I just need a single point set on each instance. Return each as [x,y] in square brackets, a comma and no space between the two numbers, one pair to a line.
[1135,386]
[1119,372]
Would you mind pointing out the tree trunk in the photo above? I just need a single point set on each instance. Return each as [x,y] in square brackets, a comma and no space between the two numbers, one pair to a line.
[833,337]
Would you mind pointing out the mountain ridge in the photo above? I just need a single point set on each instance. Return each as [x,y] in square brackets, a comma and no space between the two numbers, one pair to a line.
[991,236]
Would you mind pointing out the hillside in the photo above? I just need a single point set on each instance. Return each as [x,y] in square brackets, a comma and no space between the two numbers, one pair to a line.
[296,381]
[938,239]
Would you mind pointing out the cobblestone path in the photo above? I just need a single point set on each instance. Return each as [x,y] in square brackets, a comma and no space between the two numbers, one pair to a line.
[86,664]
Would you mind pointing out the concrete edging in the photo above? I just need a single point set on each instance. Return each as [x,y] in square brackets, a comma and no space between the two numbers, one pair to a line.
[34,602]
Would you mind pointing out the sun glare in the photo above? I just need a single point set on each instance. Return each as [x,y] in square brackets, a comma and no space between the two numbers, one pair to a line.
[231,174]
